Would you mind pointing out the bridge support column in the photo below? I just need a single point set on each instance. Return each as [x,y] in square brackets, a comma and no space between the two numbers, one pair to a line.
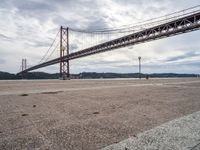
[64,50]
[23,67]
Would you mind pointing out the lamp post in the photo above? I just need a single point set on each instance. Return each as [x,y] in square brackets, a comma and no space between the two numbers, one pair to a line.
[139,58]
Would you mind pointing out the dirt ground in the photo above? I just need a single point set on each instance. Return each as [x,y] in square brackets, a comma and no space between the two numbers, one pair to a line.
[89,114]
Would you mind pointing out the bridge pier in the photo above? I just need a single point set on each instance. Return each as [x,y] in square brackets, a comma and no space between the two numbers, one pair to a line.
[64,51]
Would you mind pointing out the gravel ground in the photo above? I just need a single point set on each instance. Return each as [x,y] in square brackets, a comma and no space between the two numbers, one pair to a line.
[179,134]
[89,114]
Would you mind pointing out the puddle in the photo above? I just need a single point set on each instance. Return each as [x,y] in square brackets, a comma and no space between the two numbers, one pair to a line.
[96,112]
[24,115]
[56,92]
[24,94]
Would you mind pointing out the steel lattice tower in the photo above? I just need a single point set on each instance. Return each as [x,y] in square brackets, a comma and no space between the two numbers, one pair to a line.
[64,51]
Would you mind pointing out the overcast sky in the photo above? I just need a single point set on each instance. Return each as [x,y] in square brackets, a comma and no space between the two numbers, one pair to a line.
[27,28]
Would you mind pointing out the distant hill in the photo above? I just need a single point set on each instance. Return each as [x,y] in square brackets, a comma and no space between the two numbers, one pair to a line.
[89,75]
[94,75]
[30,75]
[40,75]
[6,76]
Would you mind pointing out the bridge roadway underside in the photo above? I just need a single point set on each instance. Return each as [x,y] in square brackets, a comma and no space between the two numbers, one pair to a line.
[89,114]
[172,28]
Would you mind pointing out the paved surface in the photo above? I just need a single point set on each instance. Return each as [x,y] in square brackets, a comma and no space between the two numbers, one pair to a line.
[179,134]
[89,114]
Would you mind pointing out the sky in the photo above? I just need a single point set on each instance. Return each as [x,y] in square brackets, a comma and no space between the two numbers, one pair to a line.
[27,28]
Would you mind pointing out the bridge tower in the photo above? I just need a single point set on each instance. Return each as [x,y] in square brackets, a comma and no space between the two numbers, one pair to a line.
[23,66]
[64,50]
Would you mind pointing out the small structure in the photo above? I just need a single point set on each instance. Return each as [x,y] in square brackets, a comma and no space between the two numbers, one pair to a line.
[139,58]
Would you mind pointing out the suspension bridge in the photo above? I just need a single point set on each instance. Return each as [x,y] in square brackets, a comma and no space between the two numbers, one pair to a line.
[74,43]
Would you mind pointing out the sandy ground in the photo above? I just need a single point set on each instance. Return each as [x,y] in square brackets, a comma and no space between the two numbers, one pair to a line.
[89,114]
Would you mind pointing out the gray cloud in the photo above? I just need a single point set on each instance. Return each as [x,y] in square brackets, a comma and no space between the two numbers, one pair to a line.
[181,57]
[73,47]
[39,44]
[2,61]
[34,6]
[4,37]
[35,9]
[97,24]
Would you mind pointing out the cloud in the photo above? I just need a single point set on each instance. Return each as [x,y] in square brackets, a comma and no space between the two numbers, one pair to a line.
[4,37]
[2,61]
[183,56]
[97,24]
[73,47]
[39,44]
